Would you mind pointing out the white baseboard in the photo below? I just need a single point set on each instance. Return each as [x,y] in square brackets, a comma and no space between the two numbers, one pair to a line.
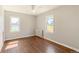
[14,38]
[62,44]
[52,41]
[18,37]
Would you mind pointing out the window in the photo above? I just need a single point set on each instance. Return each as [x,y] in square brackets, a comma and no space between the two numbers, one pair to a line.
[14,24]
[50,24]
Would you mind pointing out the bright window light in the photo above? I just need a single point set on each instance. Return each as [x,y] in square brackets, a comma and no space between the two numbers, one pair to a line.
[50,24]
[14,24]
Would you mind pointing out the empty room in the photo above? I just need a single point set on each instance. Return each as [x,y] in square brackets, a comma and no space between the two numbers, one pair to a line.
[39,28]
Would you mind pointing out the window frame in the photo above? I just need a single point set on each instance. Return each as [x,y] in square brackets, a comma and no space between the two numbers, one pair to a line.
[12,25]
[52,24]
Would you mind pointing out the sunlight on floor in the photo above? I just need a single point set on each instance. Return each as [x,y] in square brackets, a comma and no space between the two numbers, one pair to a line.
[12,45]
[14,42]
[50,49]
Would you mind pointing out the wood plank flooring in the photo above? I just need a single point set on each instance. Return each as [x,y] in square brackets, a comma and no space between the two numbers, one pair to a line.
[33,45]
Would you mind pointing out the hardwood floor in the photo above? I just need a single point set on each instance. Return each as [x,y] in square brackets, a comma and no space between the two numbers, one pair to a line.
[33,45]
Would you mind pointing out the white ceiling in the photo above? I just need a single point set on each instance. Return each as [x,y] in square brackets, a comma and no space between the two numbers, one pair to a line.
[27,9]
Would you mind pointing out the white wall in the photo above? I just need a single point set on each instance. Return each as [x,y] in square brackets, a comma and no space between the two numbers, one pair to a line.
[27,23]
[66,25]
[1,27]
